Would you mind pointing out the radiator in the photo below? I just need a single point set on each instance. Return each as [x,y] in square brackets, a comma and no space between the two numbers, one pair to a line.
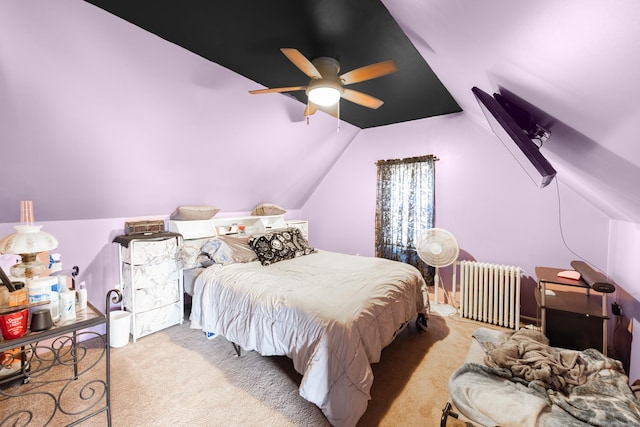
[489,293]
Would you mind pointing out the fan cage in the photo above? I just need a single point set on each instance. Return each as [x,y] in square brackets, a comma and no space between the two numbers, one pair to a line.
[437,247]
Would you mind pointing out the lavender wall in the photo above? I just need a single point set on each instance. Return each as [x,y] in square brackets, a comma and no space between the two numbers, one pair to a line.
[125,124]
[483,197]
[101,122]
[624,251]
[100,119]
[88,245]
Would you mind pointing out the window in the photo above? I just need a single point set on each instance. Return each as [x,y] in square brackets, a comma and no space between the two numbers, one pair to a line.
[405,207]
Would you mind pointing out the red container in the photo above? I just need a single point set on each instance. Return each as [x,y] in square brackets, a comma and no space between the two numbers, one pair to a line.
[14,325]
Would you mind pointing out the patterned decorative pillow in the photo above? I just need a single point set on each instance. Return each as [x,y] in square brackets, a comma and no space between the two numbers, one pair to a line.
[279,245]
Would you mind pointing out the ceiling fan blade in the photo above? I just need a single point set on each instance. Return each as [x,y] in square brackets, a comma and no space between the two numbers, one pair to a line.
[361,98]
[277,89]
[301,61]
[310,109]
[369,72]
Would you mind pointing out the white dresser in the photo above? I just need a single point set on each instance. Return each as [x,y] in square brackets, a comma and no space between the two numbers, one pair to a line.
[151,281]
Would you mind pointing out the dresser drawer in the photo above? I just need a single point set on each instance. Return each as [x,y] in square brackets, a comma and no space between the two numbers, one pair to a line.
[150,298]
[154,320]
[150,251]
[151,275]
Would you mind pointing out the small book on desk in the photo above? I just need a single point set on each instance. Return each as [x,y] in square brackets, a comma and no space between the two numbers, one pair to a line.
[569,274]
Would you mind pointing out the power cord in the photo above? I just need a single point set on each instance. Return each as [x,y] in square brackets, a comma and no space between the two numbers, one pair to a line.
[614,307]
[562,232]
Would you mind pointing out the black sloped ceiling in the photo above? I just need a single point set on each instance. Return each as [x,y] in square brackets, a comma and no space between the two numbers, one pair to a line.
[246,36]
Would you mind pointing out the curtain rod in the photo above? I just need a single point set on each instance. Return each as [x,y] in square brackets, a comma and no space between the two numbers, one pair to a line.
[408,160]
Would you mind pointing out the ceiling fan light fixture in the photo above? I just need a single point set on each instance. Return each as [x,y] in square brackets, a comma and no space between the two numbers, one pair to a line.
[324,95]
[326,87]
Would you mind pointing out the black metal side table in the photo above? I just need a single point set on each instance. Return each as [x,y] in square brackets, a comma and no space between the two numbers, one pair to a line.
[571,316]
[60,376]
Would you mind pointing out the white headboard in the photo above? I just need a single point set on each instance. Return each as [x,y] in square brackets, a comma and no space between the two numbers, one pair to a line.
[198,229]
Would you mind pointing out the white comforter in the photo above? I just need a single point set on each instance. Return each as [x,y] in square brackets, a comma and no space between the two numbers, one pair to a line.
[331,313]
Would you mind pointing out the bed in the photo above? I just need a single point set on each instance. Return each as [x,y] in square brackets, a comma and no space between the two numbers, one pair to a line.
[331,313]
[517,379]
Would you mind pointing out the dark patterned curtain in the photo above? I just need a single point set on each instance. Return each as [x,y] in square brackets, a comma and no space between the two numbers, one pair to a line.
[405,207]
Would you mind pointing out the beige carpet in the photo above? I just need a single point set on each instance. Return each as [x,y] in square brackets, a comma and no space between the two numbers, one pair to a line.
[178,377]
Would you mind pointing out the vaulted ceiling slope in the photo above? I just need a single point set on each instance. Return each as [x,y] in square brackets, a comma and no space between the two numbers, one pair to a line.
[94,93]
[246,36]
[574,63]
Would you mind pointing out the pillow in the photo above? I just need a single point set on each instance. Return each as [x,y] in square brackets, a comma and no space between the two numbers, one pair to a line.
[279,245]
[204,261]
[240,249]
[194,212]
[218,251]
[268,209]
[189,251]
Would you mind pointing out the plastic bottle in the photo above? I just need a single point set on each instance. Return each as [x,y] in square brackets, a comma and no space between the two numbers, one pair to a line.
[62,284]
[82,296]
[55,303]
[40,289]
[67,300]
[54,263]
[68,305]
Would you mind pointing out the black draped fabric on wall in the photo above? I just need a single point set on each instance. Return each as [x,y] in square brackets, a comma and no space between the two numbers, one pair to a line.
[405,207]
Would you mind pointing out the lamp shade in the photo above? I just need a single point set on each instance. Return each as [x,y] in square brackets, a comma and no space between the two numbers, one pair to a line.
[28,239]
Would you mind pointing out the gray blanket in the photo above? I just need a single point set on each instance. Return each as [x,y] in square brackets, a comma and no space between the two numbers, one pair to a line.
[527,355]
[561,390]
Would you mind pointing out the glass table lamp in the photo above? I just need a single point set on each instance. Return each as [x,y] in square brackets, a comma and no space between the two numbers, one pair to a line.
[28,241]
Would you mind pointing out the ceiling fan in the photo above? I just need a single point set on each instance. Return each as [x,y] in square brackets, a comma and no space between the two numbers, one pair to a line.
[326,87]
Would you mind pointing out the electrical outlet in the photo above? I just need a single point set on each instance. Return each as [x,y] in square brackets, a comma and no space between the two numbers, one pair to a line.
[616,309]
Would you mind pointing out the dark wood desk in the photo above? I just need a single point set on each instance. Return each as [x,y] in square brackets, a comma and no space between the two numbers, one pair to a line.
[570,313]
